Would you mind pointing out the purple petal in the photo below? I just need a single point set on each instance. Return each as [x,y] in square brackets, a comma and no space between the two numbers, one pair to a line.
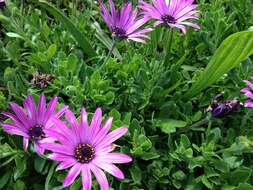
[100,176]
[25,143]
[191,24]
[70,117]
[50,108]
[61,112]
[116,158]
[111,169]
[249,84]
[41,108]
[86,178]
[72,174]
[248,104]
[64,139]
[247,93]
[12,129]
[20,115]
[84,126]
[95,123]
[57,148]
[67,163]
[59,157]
[112,136]
[181,27]
[63,129]
[38,148]
[31,109]
[102,132]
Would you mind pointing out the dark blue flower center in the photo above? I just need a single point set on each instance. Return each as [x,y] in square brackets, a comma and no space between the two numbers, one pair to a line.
[84,153]
[36,132]
[118,32]
[168,19]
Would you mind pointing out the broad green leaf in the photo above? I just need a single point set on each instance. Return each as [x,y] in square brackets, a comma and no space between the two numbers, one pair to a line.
[244,186]
[169,125]
[231,52]
[51,51]
[4,179]
[241,175]
[78,35]
[136,174]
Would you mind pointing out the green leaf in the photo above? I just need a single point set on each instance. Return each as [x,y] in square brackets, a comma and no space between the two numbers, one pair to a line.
[150,155]
[14,35]
[4,179]
[105,40]
[20,167]
[240,175]
[49,176]
[244,186]
[169,125]
[136,174]
[68,24]
[51,51]
[19,185]
[231,52]
[39,164]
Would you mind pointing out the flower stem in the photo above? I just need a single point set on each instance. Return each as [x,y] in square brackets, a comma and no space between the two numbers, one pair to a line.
[168,46]
[109,54]
[194,125]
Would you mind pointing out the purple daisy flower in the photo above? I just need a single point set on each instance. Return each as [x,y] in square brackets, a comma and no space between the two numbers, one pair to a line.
[125,23]
[248,91]
[31,122]
[86,149]
[172,13]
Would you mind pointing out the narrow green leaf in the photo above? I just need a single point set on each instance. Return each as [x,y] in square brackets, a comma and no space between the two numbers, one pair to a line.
[49,176]
[101,36]
[233,50]
[78,35]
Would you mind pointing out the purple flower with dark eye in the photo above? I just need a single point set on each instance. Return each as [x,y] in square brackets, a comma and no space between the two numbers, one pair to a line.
[248,91]
[86,149]
[171,13]
[2,3]
[32,121]
[125,23]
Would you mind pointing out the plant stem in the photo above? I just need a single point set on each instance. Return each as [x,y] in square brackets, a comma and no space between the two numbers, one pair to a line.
[194,125]
[167,49]
[109,54]
[74,7]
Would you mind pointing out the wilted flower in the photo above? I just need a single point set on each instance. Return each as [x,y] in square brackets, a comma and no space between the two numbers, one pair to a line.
[86,149]
[41,80]
[125,23]
[172,13]
[222,109]
[2,3]
[248,91]
[32,121]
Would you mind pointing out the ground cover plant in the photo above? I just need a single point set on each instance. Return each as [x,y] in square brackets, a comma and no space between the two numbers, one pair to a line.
[141,95]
